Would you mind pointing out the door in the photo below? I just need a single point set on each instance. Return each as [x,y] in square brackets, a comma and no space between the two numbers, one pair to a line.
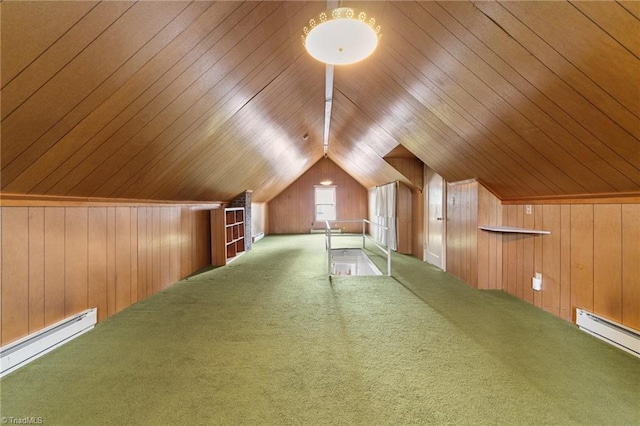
[435,193]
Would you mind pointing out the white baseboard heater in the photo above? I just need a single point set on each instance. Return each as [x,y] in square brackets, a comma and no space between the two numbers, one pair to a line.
[611,332]
[25,350]
[323,231]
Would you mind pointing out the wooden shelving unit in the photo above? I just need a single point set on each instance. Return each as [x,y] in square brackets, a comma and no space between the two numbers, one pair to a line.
[227,235]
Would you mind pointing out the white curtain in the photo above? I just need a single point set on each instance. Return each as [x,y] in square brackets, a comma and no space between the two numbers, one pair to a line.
[385,214]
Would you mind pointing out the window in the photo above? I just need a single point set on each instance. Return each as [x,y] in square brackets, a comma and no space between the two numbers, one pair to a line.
[325,203]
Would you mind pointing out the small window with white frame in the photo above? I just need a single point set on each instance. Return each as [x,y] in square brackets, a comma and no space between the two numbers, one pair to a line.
[325,200]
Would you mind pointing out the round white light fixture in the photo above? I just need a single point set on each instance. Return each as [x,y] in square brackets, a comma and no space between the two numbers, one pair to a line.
[341,36]
[326,182]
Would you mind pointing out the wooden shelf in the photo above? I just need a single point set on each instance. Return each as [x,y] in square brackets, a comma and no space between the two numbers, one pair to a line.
[513,230]
[227,235]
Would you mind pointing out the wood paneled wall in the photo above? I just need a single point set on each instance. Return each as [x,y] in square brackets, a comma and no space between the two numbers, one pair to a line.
[293,210]
[259,218]
[418,237]
[57,261]
[590,260]
[410,211]
[412,168]
[411,222]
[462,235]
[489,243]
[404,212]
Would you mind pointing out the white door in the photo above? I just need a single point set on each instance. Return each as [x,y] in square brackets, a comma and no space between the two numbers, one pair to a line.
[435,193]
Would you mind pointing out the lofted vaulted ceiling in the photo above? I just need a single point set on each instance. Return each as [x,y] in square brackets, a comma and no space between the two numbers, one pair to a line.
[203,100]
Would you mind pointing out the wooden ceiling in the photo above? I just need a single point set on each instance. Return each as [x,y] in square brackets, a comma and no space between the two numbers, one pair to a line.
[203,100]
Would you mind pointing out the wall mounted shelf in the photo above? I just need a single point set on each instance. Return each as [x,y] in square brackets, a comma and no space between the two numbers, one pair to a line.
[513,230]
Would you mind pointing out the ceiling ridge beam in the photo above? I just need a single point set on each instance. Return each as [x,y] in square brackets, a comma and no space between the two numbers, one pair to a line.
[328,105]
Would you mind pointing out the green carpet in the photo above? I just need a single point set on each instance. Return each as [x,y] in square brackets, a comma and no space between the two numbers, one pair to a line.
[269,339]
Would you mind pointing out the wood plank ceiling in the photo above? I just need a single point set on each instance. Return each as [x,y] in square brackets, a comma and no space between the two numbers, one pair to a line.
[203,100]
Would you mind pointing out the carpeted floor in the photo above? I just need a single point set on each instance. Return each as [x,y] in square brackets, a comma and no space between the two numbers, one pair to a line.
[269,339]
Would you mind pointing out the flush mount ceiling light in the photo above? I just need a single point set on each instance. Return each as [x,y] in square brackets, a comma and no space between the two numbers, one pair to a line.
[341,36]
[325,171]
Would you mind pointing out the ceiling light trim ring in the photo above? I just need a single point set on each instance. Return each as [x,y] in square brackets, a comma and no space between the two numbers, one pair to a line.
[341,36]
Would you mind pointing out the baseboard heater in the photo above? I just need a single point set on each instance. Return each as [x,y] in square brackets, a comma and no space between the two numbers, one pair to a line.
[324,231]
[611,332]
[33,346]
[257,237]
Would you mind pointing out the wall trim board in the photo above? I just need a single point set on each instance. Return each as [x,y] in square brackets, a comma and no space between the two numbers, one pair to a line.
[463,182]
[34,200]
[605,198]
[629,197]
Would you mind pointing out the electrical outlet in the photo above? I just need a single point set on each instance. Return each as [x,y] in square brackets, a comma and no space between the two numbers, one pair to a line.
[527,209]
[536,282]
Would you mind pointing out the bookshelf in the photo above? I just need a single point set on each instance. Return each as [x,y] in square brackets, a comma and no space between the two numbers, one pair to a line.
[227,235]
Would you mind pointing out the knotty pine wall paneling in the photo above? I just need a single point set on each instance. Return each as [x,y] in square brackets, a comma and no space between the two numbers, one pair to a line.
[57,261]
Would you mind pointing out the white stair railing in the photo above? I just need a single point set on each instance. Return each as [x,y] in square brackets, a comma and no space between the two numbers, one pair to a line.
[328,234]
